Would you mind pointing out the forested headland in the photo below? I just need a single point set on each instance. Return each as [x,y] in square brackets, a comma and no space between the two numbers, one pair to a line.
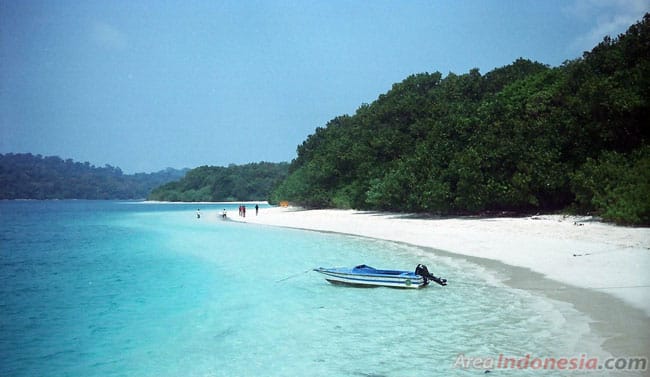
[525,137]
[28,176]
[253,181]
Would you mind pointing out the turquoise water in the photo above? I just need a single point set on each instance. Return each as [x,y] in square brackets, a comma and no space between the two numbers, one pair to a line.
[132,289]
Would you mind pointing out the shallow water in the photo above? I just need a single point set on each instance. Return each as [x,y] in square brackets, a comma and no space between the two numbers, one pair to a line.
[131,289]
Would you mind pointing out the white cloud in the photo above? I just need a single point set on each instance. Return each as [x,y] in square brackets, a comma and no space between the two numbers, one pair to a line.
[108,36]
[609,18]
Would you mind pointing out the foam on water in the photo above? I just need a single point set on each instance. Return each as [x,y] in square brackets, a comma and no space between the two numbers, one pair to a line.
[101,289]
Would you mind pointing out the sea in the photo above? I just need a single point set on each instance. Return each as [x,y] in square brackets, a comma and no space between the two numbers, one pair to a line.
[114,288]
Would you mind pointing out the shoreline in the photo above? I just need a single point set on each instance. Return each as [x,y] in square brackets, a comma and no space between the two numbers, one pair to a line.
[623,328]
[600,269]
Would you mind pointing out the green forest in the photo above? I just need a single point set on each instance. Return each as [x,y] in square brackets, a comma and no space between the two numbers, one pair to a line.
[27,176]
[525,137]
[253,181]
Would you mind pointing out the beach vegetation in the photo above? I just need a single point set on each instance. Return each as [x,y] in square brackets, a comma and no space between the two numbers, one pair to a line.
[526,137]
[253,181]
[616,185]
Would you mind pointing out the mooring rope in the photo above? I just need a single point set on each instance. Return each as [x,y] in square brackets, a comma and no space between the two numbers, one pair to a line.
[293,276]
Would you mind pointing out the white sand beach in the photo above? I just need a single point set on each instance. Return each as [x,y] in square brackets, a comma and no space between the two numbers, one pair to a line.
[577,251]
[602,270]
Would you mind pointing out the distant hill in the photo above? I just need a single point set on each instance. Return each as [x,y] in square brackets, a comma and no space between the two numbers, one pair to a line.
[27,176]
[233,183]
[526,137]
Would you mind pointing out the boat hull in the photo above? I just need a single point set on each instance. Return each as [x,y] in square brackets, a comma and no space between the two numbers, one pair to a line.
[364,276]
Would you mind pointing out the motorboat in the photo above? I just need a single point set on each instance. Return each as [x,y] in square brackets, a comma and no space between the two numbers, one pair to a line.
[366,276]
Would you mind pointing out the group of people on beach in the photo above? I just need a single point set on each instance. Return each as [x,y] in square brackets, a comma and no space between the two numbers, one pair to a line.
[242,210]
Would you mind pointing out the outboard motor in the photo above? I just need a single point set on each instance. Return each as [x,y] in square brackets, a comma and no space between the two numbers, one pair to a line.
[423,271]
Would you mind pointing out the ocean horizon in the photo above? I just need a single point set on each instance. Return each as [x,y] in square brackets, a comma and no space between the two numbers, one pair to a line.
[110,288]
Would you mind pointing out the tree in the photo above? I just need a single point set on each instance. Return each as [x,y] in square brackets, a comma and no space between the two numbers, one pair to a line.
[510,140]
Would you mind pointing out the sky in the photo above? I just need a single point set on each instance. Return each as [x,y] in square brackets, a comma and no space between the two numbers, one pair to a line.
[146,85]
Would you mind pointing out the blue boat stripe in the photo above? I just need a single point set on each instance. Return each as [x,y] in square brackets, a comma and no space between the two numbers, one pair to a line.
[339,273]
[401,281]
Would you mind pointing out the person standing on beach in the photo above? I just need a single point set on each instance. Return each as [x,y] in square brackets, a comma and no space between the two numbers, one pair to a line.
[257,209]
[243,211]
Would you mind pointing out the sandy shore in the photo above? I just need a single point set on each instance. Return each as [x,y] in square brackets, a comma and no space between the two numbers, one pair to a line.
[602,269]
[572,250]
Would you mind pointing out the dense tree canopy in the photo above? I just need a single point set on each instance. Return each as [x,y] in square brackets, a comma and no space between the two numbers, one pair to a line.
[25,176]
[524,137]
[233,183]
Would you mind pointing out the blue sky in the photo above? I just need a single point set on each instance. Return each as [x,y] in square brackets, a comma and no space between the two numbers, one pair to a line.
[146,85]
